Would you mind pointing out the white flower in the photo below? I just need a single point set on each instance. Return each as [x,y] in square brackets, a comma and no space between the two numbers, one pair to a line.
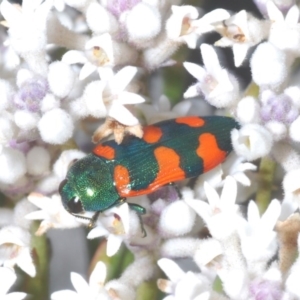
[252,141]
[248,110]
[141,13]
[259,231]
[56,126]
[208,21]
[269,66]
[108,97]
[52,213]
[27,31]
[234,166]
[294,131]
[38,161]
[168,222]
[221,214]
[217,85]
[61,79]
[285,32]
[13,165]
[241,32]
[223,220]
[188,286]
[183,27]
[102,53]
[114,228]
[8,278]
[26,120]
[15,249]
[10,60]
[98,56]
[93,290]
[100,20]
[179,26]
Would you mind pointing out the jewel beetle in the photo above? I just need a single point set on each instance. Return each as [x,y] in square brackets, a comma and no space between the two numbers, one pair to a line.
[169,151]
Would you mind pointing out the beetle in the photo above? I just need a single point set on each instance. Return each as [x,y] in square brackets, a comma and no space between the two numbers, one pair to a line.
[169,151]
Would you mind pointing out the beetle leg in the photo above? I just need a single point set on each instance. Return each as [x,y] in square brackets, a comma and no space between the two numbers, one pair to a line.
[140,210]
[94,219]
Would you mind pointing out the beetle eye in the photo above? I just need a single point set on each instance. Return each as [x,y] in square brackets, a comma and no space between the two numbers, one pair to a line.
[75,205]
[61,185]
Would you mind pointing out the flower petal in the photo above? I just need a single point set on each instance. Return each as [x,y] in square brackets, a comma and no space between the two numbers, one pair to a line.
[195,70]
[171,269]
[9,12]
[98,275]
[98,231]
[229,192]
[113,244]
[8,277]
[271,215]
[25,262]
[123,212]
[210,59]
[192,91]
[37,215]
[292,16]
[274,13]
[74,57]
[15,296]
[212,196]
[80,285]
[120,81]
[122,114]
[239,53]
[87,69]
[130,98]
[253,213]
[217,15]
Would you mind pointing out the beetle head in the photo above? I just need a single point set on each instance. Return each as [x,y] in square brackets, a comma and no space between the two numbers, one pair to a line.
[88,186]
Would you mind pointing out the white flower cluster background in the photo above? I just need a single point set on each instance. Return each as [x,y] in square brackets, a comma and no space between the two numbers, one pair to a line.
[73,72]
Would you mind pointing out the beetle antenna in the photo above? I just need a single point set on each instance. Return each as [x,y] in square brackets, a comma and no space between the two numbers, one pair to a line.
[92,219]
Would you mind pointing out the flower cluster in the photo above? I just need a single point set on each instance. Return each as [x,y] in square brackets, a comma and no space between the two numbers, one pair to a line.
[74,72]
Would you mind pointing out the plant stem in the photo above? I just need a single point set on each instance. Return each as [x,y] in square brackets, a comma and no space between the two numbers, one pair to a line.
[266,175]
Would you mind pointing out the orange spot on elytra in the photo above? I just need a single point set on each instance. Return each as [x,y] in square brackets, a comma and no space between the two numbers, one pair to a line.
[104,151]
[209,151]
[169,166]
[122,180]
[169,171]
[152,134]
[191,121]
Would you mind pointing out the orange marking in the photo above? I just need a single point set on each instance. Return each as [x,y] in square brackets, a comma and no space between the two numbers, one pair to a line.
[209,151]
[104,151]
[152,134]
[122,180]
[169,171]
[191,121]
